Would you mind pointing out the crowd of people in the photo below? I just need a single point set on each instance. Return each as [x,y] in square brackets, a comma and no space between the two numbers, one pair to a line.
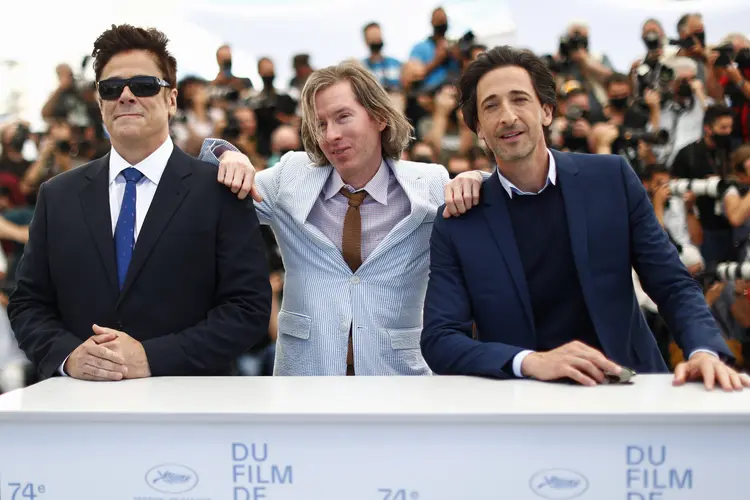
[681,112]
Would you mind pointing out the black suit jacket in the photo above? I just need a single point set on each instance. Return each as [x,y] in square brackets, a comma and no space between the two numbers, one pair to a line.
[196,295]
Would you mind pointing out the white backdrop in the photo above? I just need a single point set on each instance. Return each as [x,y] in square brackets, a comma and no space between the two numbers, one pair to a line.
[44,34]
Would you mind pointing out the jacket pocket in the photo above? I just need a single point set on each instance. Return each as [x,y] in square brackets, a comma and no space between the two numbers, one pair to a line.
[404,338]
[294,324]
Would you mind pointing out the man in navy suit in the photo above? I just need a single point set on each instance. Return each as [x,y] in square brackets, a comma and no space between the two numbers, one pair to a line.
[542,265]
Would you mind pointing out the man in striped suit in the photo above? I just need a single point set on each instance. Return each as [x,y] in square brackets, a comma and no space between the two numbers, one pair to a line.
[353,223]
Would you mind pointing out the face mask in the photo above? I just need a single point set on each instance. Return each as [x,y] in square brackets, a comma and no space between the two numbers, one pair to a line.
[684,90]
[441,29]
[651,40]
[723,141]
[268,80]
[619,103]
[375,48]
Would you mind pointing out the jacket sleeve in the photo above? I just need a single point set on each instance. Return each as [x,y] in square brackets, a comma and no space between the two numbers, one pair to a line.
[266,181]
[32,309]
[446,341]
[664,277]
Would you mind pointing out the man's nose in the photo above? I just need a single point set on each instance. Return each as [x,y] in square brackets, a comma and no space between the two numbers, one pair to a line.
[332,134]
[127,96]
[507,116]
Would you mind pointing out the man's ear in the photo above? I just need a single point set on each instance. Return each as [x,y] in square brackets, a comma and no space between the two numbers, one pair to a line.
[547,114]
[172,103]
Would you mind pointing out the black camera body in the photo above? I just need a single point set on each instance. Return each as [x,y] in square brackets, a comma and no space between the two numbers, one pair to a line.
[726,55]
[569,44]
[656,76]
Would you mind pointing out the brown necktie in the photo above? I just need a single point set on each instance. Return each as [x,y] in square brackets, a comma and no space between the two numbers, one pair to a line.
[351,249]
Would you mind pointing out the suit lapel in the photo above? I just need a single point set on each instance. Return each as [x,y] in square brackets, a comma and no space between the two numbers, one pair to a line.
[574,196]
[95,204]
[417,190]
[498,219]
[299,199]
[169,195]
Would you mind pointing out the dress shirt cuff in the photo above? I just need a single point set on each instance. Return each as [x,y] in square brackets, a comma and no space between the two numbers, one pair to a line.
[62,366]
[518,360]
[702,350]
[212,149]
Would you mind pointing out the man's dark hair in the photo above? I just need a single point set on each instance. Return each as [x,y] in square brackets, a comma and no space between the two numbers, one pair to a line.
[714,112]
[300,60]
[617,78]
[500,57]
[370,25]
[649,171]
[124,38]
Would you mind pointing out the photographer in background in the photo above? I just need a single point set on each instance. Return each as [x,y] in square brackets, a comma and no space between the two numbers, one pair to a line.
[272,107]
[625,132]
[67,101]
[737,202]
[571,130]
[705,158]
[658,48]
[733,71]
[13,138]
[591,70]
[54,158]
[196,118]
[241,129]
[442,59]
[683,109]
[677,216]
[385,68]
[226,87]
[692,44]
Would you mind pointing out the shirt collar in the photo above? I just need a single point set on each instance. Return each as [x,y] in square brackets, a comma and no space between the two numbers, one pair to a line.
[152,167]
[377,188]
[551,179]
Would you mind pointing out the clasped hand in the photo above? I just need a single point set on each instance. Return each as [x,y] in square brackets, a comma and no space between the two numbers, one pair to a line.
[108,355]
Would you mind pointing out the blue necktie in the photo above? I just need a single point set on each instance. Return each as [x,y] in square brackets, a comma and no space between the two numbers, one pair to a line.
[125,229]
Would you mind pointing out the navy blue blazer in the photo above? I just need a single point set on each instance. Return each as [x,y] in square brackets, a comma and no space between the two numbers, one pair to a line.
[476,275]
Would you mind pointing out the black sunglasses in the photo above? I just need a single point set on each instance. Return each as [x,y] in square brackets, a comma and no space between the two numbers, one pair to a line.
[140,86]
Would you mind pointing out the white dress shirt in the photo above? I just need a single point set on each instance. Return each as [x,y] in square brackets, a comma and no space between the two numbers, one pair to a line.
[152,168]
[511,189]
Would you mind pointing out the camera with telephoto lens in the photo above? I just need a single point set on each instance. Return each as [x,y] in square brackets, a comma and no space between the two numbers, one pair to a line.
[659,138]
[713,187]
[732,271]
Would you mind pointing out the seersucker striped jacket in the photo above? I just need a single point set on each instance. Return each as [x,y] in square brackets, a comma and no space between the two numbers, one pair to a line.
[382,300]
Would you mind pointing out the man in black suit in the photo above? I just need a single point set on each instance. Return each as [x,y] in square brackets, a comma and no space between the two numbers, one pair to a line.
[140,264]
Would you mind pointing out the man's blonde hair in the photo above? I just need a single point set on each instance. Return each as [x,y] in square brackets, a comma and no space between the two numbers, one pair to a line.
[369,93]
